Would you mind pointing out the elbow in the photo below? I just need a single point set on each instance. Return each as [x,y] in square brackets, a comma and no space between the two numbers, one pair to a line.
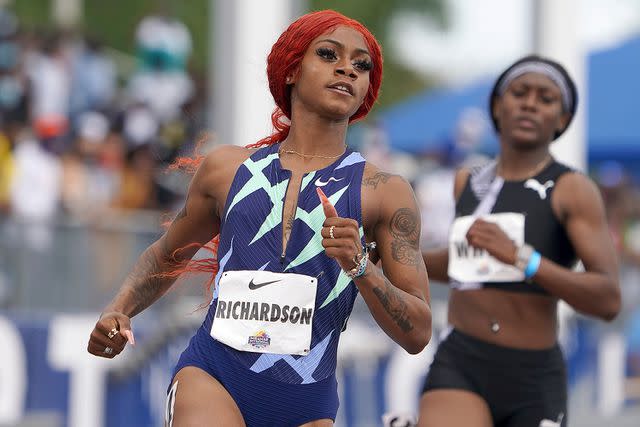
[418,341]
[612,306]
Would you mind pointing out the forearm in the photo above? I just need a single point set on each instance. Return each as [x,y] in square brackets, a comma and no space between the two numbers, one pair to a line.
[404,317]
[145,284]
[437,262]
[591,293]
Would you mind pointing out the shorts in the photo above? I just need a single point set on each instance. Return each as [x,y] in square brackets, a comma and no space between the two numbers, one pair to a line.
[262,401]
[523,388]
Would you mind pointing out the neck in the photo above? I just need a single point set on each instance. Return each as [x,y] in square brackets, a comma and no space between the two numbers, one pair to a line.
[517,165]
[313,135]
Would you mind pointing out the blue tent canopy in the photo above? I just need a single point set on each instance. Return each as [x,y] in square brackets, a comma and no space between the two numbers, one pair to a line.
[428,121]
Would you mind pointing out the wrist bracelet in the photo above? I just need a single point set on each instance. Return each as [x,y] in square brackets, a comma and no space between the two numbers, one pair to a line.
[359,269]
[532,265]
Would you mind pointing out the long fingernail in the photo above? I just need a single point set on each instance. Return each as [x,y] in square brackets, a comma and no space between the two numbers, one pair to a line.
[129,334]
[323,197]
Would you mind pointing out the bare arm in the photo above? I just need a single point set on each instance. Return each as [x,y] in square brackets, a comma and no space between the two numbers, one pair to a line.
[398,294]
[198,222]
[596,291]
[437,260]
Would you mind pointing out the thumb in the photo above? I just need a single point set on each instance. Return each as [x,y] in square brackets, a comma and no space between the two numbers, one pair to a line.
[329,209]
[124,326]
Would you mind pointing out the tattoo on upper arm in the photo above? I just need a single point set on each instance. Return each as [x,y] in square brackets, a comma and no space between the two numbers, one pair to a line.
[404,228]
[376,179]
[394,304]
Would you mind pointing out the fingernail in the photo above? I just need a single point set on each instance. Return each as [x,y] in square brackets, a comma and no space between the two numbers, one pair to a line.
[129,334]
[323,197]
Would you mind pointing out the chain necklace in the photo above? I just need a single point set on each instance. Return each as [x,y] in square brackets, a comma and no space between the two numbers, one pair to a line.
[318,156]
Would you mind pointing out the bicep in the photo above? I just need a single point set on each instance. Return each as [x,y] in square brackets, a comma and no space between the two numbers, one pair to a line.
[397,234]
[198,221]
[587,228]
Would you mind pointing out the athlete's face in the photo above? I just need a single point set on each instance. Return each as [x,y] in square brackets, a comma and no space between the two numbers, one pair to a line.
[530,110]
[333,77]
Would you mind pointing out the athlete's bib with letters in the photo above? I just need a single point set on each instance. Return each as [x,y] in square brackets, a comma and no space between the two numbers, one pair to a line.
[265,312]
[469,264]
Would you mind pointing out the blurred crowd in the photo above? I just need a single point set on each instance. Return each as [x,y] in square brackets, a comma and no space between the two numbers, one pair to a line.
[86,130]
[80,133]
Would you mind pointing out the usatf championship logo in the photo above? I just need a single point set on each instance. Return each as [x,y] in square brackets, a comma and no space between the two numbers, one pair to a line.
[260,339]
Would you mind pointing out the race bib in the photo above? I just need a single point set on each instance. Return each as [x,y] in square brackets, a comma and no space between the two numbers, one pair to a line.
[265,312]
[469,264]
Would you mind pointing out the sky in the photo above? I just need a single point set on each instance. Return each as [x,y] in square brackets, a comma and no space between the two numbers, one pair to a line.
[486,35]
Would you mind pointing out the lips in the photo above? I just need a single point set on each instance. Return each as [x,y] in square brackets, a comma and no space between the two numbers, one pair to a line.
[526,123]
[342,87]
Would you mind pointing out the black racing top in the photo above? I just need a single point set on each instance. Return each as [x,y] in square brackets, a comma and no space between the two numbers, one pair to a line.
[543,231]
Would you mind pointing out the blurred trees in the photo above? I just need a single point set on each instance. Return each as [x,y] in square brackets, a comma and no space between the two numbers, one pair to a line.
[399,81]
[114,23]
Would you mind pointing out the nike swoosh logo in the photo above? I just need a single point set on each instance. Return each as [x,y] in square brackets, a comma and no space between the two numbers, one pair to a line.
[254,286]
[319,182]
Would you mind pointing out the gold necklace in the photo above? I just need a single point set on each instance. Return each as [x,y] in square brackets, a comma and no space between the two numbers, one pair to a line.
[318,156]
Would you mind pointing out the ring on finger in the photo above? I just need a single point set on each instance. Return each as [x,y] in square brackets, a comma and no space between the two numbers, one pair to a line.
[112,333]
[108,350]
[331,231]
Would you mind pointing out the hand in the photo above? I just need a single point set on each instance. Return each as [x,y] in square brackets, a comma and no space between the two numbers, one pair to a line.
[490,237]
[345,245]
[110,335]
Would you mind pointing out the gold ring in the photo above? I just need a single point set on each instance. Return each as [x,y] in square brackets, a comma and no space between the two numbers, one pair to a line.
[108,350]
[331,231]
[112,333]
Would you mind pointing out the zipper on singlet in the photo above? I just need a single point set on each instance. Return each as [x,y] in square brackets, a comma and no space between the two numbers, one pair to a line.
[284,247]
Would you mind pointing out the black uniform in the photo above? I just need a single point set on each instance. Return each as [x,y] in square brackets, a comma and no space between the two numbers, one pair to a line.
[522,387]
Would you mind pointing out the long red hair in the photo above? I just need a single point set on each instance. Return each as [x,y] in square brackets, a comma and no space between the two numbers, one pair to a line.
[283,60]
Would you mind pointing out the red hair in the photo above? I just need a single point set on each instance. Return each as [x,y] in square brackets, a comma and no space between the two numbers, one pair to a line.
[284,59]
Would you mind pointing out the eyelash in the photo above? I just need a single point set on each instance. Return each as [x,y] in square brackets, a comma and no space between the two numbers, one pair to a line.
[330,55]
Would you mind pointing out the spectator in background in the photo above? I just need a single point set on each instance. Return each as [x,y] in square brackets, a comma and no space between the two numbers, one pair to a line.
[93,85]
[162,81]
[35,190]
[50,79]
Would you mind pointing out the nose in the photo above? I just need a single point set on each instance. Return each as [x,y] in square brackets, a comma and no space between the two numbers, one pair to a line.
[530,100]
[345,68]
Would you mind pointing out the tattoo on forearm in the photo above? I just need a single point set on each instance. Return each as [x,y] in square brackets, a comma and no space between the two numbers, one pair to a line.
[404,228]
[376,179]
[394,304]
[145,284]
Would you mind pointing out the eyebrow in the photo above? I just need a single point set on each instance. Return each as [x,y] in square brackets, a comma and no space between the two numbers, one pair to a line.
[340,45]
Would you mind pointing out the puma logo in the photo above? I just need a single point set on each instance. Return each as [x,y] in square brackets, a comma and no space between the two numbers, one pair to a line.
[319,182]
[541,189]
[549,423]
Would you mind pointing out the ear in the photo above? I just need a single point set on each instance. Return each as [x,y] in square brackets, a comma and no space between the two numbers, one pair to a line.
[563,122]
[292,77]
[494,110]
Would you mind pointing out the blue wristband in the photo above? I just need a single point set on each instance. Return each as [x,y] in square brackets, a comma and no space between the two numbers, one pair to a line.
[532,266]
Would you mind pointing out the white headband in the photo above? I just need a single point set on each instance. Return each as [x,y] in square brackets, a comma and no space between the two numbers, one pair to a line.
[540,68]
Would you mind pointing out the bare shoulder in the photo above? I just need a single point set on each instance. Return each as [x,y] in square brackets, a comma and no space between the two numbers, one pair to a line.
[223,156]
[460,180]
[576,193]
[376,180]
[216,173]
[382,190]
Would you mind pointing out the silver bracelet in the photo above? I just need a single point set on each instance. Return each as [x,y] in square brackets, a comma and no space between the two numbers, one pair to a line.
[361,262]
[523,255]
